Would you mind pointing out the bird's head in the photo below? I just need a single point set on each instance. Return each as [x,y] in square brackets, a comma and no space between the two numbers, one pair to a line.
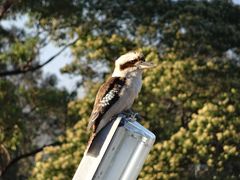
[130,63]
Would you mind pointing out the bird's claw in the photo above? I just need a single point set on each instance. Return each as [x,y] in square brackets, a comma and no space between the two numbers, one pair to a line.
[133,117]
[130,115]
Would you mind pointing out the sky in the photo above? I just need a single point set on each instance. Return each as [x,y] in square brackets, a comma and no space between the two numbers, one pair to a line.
[64,80]
[236,1]
[54,67]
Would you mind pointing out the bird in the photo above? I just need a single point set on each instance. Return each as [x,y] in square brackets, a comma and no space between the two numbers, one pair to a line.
[119,91]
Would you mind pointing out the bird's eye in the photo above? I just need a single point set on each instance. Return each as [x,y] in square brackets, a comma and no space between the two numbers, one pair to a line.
[134,61]
[142,59]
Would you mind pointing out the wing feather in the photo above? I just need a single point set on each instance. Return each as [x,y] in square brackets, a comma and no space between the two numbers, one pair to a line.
[107,95]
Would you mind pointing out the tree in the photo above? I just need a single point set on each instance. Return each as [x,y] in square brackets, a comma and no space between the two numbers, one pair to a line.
[31,105]
[200,100]
[192,95]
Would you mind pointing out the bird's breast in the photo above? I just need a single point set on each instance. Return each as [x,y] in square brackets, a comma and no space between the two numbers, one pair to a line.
[133,86]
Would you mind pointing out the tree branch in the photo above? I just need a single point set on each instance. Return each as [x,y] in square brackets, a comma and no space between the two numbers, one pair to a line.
[4,7]
[15,160]
[31,69]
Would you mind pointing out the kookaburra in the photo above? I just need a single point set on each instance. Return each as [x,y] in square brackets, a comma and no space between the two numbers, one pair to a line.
[117,94]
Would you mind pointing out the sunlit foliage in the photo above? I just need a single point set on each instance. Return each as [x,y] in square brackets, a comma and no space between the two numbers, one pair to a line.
[190,100]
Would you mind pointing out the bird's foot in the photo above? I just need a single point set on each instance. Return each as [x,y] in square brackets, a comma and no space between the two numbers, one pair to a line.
[130,115]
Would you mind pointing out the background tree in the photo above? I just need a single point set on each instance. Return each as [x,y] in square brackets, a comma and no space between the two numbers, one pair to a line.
[192,95]
[33,111]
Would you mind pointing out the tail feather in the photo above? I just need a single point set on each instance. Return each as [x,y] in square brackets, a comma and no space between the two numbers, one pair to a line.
[90,142]
[92,120]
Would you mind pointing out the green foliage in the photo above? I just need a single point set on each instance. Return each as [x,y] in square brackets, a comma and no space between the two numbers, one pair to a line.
[9,122]
[194,111]
[60,162]
[28,111]
[178,88]
[30,103]
[208,148]
[19,53]
[190,100]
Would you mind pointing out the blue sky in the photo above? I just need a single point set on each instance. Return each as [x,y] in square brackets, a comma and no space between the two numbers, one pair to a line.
[48,51]
[54,67]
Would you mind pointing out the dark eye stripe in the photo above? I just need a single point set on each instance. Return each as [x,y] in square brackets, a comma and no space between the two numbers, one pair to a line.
[129,64]
[142,59]
[132,63]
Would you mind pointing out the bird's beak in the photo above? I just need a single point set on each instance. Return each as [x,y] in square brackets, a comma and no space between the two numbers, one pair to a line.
[146,65]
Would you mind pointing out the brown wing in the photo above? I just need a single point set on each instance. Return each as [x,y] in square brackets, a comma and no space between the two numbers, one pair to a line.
[107,95]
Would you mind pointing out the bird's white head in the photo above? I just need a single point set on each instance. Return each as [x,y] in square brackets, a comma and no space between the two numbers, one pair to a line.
[129,64]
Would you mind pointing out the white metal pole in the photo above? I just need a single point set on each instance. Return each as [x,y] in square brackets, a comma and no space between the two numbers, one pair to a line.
[118,152]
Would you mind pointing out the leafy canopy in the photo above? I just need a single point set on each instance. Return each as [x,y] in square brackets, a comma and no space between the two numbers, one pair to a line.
[190,100]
